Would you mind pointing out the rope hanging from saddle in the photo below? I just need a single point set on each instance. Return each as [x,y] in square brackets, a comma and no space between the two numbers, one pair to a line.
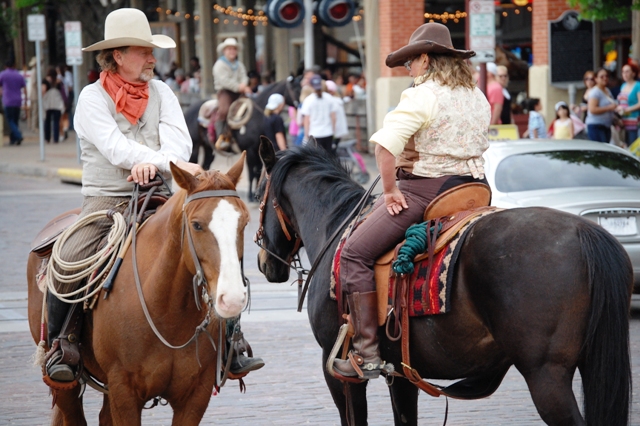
[84,268]
[418,237]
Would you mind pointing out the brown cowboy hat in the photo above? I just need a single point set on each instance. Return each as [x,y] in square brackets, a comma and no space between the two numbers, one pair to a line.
[428,38]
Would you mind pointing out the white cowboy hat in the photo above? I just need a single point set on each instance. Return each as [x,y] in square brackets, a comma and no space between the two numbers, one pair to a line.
[226,43]
[129,27]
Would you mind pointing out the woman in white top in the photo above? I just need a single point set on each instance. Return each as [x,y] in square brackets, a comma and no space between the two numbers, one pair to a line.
[319,112]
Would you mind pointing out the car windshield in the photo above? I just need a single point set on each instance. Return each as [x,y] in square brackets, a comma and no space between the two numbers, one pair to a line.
[566,169]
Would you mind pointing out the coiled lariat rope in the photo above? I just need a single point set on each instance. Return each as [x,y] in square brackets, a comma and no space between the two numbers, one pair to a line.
[416,243]
[81,269]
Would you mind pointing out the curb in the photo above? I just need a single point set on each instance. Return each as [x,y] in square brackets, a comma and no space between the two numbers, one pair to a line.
[70,175]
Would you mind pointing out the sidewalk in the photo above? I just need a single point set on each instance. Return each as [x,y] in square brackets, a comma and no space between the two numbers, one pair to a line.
[61,160]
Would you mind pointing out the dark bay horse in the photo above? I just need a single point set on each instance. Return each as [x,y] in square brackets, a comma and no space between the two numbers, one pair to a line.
[118,345]
[543,290]
[248,139]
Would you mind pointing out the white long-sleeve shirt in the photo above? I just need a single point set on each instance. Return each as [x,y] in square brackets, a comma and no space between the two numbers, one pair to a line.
[94,123]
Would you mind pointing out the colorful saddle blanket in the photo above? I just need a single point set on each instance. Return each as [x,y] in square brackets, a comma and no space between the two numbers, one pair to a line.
[428,295]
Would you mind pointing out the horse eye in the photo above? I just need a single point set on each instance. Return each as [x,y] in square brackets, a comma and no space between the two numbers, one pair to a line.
[196,226]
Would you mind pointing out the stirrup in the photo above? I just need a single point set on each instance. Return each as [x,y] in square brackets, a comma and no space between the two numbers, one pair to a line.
[59,372]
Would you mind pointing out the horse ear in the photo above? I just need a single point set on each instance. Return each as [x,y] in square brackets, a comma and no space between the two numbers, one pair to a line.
[313,141]
[267,153]
[183,178]
[235,171]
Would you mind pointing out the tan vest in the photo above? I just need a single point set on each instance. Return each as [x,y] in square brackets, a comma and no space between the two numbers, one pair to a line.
[99,176]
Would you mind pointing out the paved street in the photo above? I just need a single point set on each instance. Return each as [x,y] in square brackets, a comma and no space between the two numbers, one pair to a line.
[288,390]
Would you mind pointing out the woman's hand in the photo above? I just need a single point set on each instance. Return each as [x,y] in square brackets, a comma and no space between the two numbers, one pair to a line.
[142,173]
[395,201]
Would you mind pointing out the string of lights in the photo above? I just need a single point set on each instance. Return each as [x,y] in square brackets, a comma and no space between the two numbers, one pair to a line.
[458,15]
[237,16]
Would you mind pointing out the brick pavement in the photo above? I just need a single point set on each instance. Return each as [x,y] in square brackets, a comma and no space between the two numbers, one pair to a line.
[274,395]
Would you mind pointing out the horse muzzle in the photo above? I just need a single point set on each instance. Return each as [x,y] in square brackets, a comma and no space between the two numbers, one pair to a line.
[274,270]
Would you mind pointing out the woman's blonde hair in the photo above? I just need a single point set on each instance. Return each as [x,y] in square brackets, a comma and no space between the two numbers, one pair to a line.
[106,61]
[449,70]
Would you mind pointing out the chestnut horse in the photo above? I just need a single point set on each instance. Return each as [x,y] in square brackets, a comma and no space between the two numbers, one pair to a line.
[543,290]
[118,346]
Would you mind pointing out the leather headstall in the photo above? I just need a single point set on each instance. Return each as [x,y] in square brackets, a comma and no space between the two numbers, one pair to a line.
[199,279]
[285,224]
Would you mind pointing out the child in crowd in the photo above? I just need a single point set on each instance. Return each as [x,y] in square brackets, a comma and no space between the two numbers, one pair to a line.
[562,125]
[273,125]
[537,128]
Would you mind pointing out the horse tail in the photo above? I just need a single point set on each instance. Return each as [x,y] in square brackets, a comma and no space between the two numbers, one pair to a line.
[605,359]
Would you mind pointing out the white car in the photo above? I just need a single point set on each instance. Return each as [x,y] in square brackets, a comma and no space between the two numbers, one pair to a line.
[598,181]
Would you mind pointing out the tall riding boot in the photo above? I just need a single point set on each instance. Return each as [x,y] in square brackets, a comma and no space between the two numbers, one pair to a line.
[64,356]
[241,363]
[364,360]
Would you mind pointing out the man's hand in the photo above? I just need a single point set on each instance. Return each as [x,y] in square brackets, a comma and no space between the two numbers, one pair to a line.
[194,169]
[142,173]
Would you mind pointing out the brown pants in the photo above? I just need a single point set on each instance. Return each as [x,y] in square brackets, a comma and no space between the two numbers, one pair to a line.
[225,99]
[381,232]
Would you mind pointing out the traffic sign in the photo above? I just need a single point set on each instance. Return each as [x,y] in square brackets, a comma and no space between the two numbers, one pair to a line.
[36,29]
[482,30]
[73,42]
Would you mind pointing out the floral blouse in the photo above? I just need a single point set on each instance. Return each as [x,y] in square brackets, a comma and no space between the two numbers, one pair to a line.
[437,131]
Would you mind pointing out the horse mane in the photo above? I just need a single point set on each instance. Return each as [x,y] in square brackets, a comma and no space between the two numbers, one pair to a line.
[331,182]
[262,97]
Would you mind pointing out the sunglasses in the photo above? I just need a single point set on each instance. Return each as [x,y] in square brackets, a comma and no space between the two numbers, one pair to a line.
[407,64]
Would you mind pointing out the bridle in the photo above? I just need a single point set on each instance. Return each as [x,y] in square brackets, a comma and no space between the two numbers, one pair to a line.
[285,224]
[199,282]
[294,257]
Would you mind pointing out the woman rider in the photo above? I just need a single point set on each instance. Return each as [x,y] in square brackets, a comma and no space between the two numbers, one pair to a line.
[432,141]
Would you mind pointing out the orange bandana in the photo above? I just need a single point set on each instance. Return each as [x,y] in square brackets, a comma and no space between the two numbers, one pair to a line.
[131,98]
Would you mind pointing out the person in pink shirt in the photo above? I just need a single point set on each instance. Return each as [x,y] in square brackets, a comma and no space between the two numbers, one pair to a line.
[494,93]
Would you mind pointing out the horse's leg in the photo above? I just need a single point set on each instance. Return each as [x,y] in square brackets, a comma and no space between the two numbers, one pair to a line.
[551,389]
[104,417]
[355,406]
[69,410]
[189,411]
[404,402]
[124,405]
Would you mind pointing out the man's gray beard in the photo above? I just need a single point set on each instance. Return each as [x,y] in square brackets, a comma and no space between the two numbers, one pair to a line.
[146,76]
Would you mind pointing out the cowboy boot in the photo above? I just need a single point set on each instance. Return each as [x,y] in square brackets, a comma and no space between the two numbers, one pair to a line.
[241,363]
[364,360]
[223,143]
[63,358]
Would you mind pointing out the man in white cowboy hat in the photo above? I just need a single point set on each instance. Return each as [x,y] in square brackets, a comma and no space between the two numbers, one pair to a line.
[230,80]
[130,128]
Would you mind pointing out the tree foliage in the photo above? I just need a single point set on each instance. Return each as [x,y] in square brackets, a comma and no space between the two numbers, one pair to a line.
[599,10]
